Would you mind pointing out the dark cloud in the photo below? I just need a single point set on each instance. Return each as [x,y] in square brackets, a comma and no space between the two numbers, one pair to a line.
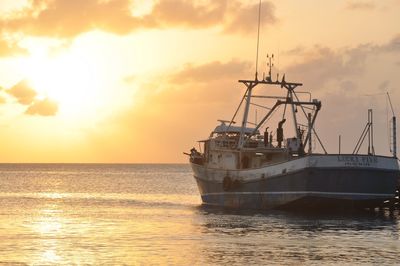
[10,49]
[45,107]
[67,19]
[23,92]
[360,5]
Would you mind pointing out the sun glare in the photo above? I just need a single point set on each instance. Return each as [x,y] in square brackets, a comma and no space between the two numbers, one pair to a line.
[70,79]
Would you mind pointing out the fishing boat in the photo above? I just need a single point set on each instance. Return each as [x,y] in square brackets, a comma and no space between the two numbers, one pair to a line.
[257,166]
[243,168]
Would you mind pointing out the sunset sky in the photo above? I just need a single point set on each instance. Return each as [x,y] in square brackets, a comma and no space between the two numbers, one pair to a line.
[141,81]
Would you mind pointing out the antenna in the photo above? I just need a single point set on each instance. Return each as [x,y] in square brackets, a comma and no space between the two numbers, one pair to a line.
[258,37]
[270,64]
[390,102]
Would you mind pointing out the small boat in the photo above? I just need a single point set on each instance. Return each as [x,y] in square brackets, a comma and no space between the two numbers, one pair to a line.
[240,167]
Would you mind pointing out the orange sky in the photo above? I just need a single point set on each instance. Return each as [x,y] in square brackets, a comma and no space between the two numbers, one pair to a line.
[140,81]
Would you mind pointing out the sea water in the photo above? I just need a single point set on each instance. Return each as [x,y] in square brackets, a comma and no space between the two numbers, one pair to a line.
[79,214]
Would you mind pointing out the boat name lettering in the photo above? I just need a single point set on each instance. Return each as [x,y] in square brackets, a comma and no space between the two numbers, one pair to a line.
[350,160]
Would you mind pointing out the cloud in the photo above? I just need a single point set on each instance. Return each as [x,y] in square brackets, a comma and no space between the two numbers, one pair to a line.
[321,65]
[45,107]
[384,86]
[193,98]
[195,95]
[210,71]
[67,19]
[233,16]
[347,85]
[246,19]
[189,13]
[2,99]
[193,84]
[393,45]
[359,5]
[23,92]
[27,96]
[10,49]
[349,81]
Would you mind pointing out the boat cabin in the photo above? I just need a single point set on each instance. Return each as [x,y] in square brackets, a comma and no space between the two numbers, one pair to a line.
[220,150]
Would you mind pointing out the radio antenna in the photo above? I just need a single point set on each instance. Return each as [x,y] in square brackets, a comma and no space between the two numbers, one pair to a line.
[258,37]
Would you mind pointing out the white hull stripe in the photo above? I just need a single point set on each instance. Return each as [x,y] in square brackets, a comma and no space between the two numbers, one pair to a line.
[301,193]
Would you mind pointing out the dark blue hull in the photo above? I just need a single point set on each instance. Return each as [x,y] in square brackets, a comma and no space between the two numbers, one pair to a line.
[307,188]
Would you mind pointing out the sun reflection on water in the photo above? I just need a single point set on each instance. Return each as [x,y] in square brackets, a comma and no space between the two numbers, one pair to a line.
[115,218]
[50,256]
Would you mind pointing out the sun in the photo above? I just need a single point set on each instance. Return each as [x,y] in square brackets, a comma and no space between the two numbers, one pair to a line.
[71,79]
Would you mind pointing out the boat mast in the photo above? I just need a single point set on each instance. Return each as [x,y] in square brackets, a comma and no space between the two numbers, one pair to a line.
[258,38]
[294,114]
[250,86]
[245,115]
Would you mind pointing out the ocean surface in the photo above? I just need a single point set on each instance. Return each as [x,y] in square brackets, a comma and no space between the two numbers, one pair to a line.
[78,214]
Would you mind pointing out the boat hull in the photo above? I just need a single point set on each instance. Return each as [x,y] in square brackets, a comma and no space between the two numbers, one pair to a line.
[310,182]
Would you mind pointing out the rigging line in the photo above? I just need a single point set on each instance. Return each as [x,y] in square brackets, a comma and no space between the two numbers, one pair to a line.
[302,108]
[258,37]
[237,109]
[361,139]
[305,92]
[309,108]
[261,106]
[271,115]
[374,94]
[320,142]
